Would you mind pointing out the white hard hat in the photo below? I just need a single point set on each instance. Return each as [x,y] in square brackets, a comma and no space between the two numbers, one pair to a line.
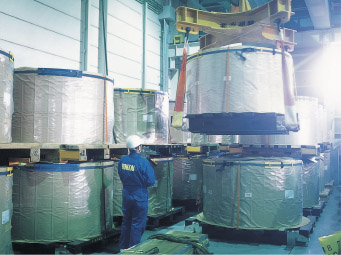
[133,141]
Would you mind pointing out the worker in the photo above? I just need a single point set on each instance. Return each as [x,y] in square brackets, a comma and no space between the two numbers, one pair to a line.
[137,175]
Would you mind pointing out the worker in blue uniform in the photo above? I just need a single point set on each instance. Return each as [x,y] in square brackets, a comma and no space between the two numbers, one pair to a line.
[137,175]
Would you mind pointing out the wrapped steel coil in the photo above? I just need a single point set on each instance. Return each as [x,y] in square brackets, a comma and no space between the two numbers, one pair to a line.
[187,177]
[6,210]
[322,181]
[236,79]
[310,183]
[6,96]
[62,202]
[62,106]
[141,112]
[159,196]
[327,172]
[253,193]
[307,108]
[198,139]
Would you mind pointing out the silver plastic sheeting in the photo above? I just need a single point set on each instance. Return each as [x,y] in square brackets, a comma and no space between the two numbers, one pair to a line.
[51,107]
[6,97]
[322,124]
[141,112]
[118,188]
[236,79]
[187,177]
[253,193]
[159,196]
[310,183]
[320,161]
[62,202]
[177,135]
[327,174]
[307,108]
[198,139]
[6,210]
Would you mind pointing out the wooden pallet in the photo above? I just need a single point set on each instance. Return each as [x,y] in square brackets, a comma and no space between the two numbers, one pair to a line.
[291,237]
[204,148]
[12,153]
[231,149]
[157,150]
[193,205]
[73,247]
[280,150]
[324,195]
[315,210]
[154,221]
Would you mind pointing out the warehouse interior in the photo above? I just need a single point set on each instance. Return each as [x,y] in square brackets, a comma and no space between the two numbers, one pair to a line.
[236,103]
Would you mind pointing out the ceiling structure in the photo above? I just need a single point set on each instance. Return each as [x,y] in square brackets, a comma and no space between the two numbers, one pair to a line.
[309,14]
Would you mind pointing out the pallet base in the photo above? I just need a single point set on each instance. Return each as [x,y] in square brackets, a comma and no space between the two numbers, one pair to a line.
[314,211]
[190,204]
[290,237]
[74,247]
[154,221]
[280,150]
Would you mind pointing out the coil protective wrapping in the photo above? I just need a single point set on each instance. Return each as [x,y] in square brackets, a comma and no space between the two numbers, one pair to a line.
[307,108]
[310,183]
[198,139]
[6,210]
[253,193]
[237,79]
[62,202]
[187,178]
[159,196]
[6,97]
[62,106]
[141,112]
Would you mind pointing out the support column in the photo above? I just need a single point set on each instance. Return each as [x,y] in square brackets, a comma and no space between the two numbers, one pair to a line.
[85,24]
[102,37]
[144,36]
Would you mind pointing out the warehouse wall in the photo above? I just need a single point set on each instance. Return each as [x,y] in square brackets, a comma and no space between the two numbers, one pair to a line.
[47,33]
[42,33]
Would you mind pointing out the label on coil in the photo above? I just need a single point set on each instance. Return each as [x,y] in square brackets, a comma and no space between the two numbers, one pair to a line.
[248,194]
[192,177]
[5,217]
[289,194]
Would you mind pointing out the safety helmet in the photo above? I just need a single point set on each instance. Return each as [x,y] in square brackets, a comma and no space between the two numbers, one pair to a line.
[133,141]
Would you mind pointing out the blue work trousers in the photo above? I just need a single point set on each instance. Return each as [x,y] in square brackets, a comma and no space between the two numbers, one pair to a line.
[134,221]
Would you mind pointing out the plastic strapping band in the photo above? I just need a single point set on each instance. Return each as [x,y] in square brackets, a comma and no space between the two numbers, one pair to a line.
[8,173]
[63,72]
[139,91]
[9,55]
[238,196]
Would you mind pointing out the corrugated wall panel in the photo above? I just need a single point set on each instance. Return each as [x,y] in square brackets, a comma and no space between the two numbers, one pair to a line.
[40,34]
[153,49]
[124,42]
[93,36]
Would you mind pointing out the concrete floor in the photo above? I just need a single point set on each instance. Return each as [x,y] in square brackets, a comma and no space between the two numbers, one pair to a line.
[327,223]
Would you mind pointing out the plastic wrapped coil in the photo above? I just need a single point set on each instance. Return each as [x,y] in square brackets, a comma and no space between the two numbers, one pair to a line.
[159,196]
[307,108]
[327,174]
[141,112]
[6,210]
[62,202]
[6,96]
[187,177]
[62,106]
[198,139]
[320,161]
[310,183]
[253,193]
[236,79]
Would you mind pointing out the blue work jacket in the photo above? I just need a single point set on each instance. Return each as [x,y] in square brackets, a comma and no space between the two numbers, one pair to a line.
[137,175]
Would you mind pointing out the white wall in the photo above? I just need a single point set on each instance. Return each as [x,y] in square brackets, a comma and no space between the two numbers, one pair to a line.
[124,43]
[44,33]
